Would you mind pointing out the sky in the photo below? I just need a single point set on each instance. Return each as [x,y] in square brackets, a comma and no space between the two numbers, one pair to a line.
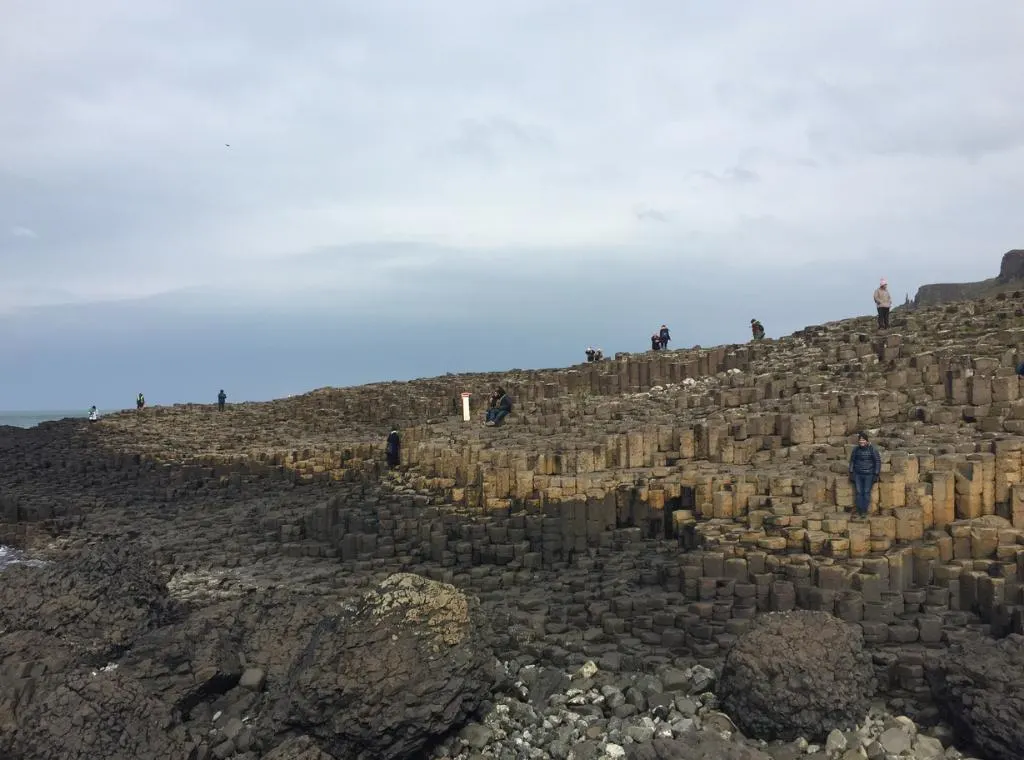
[269,199]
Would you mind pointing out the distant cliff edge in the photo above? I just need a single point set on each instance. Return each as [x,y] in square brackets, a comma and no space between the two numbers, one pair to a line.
[1011,273]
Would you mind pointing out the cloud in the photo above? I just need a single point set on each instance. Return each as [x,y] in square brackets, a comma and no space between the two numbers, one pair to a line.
[404,137]
[23,232]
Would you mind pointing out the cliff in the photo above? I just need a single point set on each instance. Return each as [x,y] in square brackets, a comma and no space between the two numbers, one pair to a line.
[1011,275]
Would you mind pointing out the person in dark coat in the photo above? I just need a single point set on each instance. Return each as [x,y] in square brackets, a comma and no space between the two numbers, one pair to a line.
[222,398]
[664,337]
[757,329]
[502,407]
[655,342]
[865,470]
[393,448]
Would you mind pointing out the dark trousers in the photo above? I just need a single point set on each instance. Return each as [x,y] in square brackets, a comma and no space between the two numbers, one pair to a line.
[220,405]
[862,485]
[883,317]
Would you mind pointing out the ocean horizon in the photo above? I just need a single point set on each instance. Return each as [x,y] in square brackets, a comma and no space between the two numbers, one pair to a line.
[27,419]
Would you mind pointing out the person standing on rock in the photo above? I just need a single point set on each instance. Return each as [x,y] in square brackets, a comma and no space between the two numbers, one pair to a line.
[757,329]
[664,337]
[140,401]
[865,469]
[222,398]
[883,302]
[393,448]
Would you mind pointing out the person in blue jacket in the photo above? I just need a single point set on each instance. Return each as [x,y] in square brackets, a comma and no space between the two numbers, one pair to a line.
[865,469]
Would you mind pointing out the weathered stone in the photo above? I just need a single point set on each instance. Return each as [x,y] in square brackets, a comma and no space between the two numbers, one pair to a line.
[797,674]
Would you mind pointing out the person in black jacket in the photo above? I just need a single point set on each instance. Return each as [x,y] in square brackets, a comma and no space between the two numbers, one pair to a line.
[865,469]
[501,407]
[393,448]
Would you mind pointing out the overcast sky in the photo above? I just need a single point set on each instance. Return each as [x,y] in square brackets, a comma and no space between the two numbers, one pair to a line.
[327,159]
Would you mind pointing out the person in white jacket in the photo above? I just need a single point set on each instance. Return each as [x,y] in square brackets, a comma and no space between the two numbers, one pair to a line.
[883,302]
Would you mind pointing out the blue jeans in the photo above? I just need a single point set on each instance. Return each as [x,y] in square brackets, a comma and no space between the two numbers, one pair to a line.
[862,485]
[496,415]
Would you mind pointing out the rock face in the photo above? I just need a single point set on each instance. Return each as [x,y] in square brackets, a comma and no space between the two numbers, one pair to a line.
[1011,270]
[980,686]
[96,601]
[797,674]
[404,665]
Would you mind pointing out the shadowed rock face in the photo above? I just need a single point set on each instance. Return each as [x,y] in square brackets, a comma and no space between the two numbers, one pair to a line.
[797,674]
[980,686]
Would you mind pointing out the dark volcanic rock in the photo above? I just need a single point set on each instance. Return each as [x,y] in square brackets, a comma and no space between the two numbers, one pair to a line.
[88,714]
[980,687]
[97,600]
[297,748]
[406,663]
[186,663]
[797,674]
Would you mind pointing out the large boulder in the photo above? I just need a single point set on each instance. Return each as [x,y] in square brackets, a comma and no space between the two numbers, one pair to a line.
[404,664]
[797,674]
[979,684]
[96,600]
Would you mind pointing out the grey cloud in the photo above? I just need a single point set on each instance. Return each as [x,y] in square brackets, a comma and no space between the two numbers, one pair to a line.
[645,214]
[531,128]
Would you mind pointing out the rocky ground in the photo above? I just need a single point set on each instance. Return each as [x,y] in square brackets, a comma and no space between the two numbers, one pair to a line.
[254,585]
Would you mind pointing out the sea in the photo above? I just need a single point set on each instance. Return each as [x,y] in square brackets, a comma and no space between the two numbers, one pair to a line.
[33,418]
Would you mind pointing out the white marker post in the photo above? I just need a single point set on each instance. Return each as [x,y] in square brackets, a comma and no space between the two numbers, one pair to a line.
[465,406]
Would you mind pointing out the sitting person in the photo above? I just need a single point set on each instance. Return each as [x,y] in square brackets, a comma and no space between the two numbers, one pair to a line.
[501,407]
[655,342]
[590,353]
[93,414]
[757,329]
[598,355]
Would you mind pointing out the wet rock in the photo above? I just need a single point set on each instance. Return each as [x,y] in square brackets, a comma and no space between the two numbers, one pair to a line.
[407,663]
[980,686]
[797,674]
